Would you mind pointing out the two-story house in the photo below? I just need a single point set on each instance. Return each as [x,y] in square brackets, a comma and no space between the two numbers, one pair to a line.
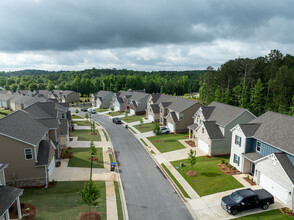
[153,109]
[137,103]
[8,195]
[178,114]
[264,148]
[26,146]
[102,99]
[212,127]
[117,102]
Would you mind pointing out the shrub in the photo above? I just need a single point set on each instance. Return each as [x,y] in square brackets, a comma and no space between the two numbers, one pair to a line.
[156,130]
[234,168]
[287,210]
[226,163]
[77,111]
[230,166]
[222,167]
[223,161]
[228,171]
[53,181]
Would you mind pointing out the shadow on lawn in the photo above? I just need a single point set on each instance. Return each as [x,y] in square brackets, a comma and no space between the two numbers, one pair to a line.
[208,174]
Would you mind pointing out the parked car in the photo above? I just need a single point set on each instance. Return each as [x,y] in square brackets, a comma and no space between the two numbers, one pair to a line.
[92,111]
[247,199]
[84,109]
[116,120]
[164,130]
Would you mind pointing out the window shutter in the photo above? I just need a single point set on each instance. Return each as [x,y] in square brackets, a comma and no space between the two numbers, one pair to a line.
[240,141]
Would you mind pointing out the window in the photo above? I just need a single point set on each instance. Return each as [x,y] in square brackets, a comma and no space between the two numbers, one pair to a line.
[258,146]
[181,115]
[238,140]
[236,159]
[202,130]
[28,154]
[197,118]
[62,115]
[200,121]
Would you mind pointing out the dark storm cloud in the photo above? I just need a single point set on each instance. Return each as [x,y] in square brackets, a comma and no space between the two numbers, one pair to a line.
[95,24]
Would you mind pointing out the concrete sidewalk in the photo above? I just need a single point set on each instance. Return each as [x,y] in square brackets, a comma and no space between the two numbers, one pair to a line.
[111,205]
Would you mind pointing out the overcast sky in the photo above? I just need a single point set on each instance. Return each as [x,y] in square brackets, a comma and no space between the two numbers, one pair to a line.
[140,34]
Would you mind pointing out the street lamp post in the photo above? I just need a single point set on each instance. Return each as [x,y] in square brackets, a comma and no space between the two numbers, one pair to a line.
[92,156]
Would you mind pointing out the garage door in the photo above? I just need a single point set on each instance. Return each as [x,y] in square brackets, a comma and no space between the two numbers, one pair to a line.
[202,145]
[171,127]
[51,167]
[274,188]
[132,111]
[150,117]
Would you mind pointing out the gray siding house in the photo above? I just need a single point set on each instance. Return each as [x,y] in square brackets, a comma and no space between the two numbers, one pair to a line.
[212,127]
[102,99]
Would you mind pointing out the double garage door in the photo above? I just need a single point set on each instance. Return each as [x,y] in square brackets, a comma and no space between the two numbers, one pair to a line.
[274,188]
[202,145]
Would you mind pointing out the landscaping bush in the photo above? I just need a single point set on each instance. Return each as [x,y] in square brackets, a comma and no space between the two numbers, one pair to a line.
[223,161]
[234,168]
[230,166]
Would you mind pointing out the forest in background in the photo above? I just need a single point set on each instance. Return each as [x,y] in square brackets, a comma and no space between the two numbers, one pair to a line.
[259,85]
[92,80]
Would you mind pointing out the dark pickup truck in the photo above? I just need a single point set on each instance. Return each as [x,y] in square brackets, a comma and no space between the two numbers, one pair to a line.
[247,199]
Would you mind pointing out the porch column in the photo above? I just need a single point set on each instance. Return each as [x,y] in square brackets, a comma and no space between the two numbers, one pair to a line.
[189,133]
[7,214]
[18,208]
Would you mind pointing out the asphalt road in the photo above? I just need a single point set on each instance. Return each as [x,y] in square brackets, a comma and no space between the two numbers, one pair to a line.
[149,195]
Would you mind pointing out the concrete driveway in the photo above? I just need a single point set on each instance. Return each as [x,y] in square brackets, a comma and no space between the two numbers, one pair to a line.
[208,207]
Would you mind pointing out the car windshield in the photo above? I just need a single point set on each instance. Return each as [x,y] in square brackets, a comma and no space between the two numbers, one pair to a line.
[237,197]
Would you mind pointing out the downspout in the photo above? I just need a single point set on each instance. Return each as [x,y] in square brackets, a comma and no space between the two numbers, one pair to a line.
[46,186]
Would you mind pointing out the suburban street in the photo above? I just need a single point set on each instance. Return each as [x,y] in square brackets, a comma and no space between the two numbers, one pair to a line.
[149,195]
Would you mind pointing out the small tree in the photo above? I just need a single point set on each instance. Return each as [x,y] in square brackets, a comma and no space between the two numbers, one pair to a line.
[192,159]
[93,126]
[141,121]
[89,194]
[86,115]
[92,147]
[126,114]
[156,129]
[77,111]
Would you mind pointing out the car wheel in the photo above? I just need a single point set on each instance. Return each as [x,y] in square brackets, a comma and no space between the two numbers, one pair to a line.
[264,206]
[234,212]
[167,132]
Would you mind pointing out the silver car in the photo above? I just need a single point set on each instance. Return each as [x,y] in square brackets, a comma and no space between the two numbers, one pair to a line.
[164,130]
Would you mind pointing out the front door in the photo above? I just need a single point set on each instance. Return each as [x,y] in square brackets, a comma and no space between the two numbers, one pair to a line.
[252,169]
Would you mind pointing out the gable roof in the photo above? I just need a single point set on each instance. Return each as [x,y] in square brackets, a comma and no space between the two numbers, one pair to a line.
[222,114]
[207,110]
[249,129]
[21,125]
[213,130]
[63,126]
[165,104]
[286,164]
[181,104]
[158,98]
[193,126]
[137,96]
[102,93]
[155,108]
[174,117]
[43,110]
[276,129]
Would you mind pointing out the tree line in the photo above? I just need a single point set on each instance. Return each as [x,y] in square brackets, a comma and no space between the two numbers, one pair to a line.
[259,85]
[92,80]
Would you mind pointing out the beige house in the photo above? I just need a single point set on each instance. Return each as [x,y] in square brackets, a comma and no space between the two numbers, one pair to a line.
[178,115]
[26,146]
[153,109]
[212,127]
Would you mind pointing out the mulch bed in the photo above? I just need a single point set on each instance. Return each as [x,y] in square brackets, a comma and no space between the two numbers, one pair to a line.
[157,141]
[70,139]
[249,181]
[287,211]
[68,155]
[50,185]
[227,170]
[191,173]
[94,158]
[57,164]
[191,143]
[93,133]
[28,210]
[90,216]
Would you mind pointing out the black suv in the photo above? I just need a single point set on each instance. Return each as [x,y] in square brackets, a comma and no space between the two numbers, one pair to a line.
[247,199]
[116,120]
[84,109]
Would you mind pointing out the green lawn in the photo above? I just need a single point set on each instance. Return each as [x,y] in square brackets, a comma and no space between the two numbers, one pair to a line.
[113,114]
[82,123]
[4,112]
[167,142]
[75,116]
[176,181]
[209,179]
[81,158]
[132,118]
[60,202]
[85,135]
[101,109]
[110,158]
[145,127]
[118,202]
[269,215]
[105,134]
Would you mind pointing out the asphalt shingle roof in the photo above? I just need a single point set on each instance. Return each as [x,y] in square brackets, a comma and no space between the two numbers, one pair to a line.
[207,110]
[43,153]
[213,130]
[155,108]
[158,98]
[276,129]
[249,129]
[174,117]
[63,126]
[181,104]
[8,196]
[223,113]
[102,93]
[137,96]
[193,126]
[49,122]
[286,164]
[43,110]
[21,125]
[252,156]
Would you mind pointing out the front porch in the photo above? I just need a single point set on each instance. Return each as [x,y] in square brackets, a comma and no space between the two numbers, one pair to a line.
[9,195]
[249,162]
